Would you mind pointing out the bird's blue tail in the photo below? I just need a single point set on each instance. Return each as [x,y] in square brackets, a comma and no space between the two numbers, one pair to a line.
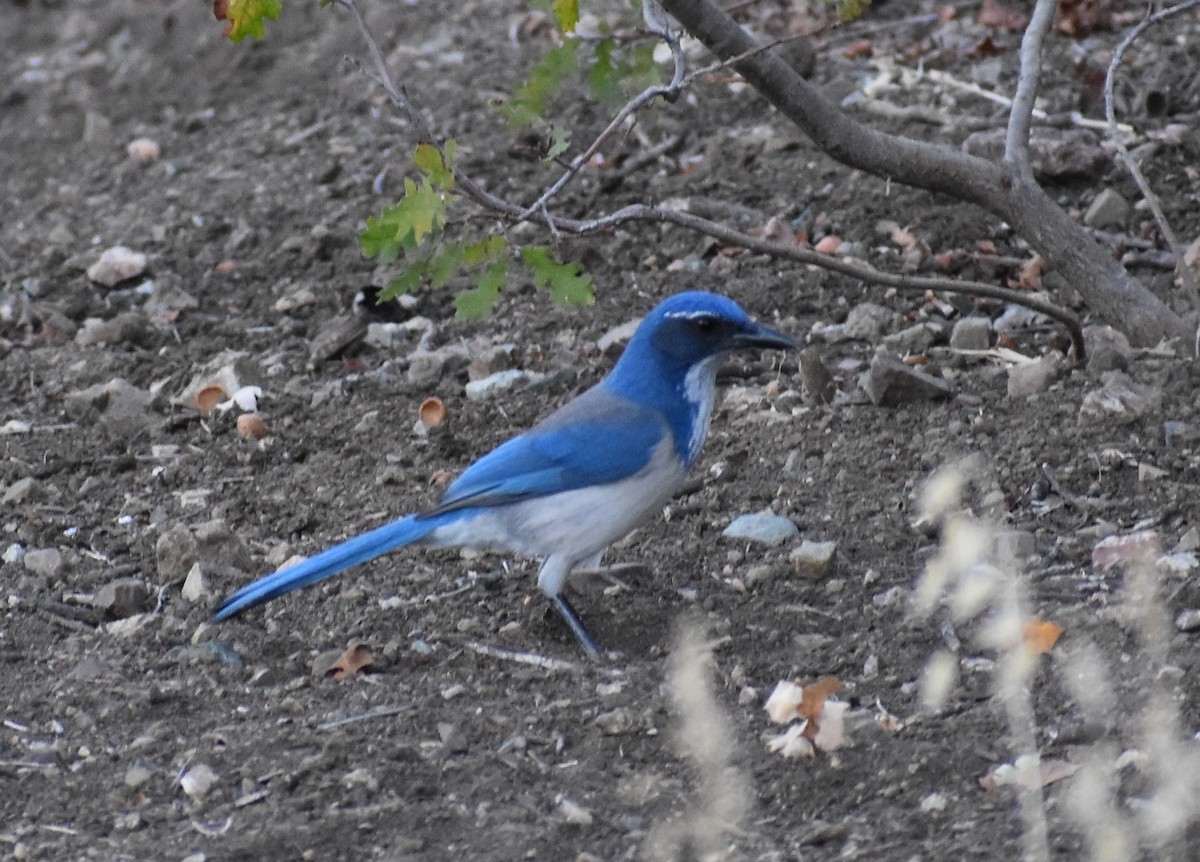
[328,563]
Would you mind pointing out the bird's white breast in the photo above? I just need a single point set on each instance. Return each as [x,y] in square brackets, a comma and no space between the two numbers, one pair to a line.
[700,390]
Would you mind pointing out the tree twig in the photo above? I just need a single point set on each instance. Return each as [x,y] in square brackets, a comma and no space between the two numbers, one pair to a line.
[1181,268]
[1016,142]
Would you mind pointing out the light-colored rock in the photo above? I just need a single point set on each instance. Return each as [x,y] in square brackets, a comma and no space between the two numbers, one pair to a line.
[1030,378]
[913,340]
[117,405]
[23,490]
[865,322]
[814,561]
[890,383]
[1108,209]
[1119,399]
[501,381]
[1107,350]
[121,598]
[764,527]
[117,264]
[971,333]
[196,585]
[180,547]
[47,562]
[129,327]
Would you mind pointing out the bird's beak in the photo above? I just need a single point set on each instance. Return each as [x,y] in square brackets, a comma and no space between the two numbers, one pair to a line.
[761,337]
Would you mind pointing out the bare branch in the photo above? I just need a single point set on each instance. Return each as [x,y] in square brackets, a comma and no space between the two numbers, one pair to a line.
[1186,278]
[1016,143]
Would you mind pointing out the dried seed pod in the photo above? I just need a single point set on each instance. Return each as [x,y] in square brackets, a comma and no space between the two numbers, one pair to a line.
[432,412]
[209,397]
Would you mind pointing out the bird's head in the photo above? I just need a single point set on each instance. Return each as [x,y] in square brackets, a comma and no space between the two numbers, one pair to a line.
[683,334]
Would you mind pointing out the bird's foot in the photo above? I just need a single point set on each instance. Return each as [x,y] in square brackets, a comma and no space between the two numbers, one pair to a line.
[575,624]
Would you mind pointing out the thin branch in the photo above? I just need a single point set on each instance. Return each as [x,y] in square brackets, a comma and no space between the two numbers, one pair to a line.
[1016,143]
[542,661]
[642,212]
[1181,268]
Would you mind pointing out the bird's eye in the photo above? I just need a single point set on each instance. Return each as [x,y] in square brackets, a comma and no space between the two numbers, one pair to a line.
[705,322]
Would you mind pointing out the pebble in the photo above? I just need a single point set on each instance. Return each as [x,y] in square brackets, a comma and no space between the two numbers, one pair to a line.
[426,367]
[865,322]
[764,527]
[1030,378]
[211,542]
[574,813]
[913,340]
[890,383]
[814,561]
[23,490]
[487,363]
[501,381]
[137,775]
[196,586]
[47,562]
[1108,209]
[1107,350]
[1188,620]
[143,149]
[13,552]
[198,780]
[614,722]
[971,333]
[1119,399]
[119,406]
[454,741]
[128,327]
[117,264]
[121,598]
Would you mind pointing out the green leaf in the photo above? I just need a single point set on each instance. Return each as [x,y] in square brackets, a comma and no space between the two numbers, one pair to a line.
[566,14]
[446,264]
[527,104]
[560,139]
[604,78]
[566,281]
[484,250]
[479,302]
[246,17]
[429,161]
[406,282]
[421,212]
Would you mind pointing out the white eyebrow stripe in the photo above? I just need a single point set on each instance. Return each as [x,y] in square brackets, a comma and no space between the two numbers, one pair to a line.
[691,315]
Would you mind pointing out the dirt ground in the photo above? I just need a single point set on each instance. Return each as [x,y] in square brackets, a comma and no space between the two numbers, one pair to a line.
[271,159]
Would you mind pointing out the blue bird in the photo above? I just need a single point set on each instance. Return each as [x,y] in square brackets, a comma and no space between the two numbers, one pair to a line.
[584,476]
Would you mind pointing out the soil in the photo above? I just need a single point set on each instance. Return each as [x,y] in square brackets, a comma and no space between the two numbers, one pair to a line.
[273,154]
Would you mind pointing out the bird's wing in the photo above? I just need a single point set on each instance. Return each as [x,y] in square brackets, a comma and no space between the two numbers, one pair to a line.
[596,439]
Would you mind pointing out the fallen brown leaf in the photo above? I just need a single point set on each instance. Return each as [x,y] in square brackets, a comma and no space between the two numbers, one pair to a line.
[1040,635]
[356,660]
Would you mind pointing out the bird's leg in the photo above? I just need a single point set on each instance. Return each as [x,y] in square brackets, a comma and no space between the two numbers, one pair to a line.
[575,624]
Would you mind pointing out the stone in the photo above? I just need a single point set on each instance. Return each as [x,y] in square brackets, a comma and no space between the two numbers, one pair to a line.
[865,322]
[117,264]
[23,491]
[1053,153]
[137,775]
[47,562]
[574,813]
[128,327]
[971,333]
[1119,399]
[913,339]
[336,336]
[1108,210]
[614,722]
[764,527]
[1188,620]
[179,548]
[122,598]
[1030,378]
[426,367]
[454,741]
[814,561]
[196,586]
[487,363]
[890,383]
[501,381]
[117,405]
[1107,350]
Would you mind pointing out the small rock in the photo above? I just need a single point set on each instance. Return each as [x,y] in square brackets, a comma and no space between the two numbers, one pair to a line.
[971,333]
[1119,399]
[487,363]
[426,367]
[198,780]
[1107,350]
[1053,153]
[614,722]
[121,598]
[617,337]
[1030,378]
[13,553]
[1176,433]
[501,381]
[1108,209]
[117,264]
[574,813]
[196,586]
[814,561]
[913,340]
[137,775]
[23,491]
[891,383]
[337,335]
[1188,620]
[129,327]
[760,574]
[143,150]
[866,322]
[1015,544]
[117,405]
[818,381]
[47,562]
[454,741]
[764,527]
[211,542]
[1189,541]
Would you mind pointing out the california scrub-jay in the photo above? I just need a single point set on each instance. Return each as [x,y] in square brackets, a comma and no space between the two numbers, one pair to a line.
[584,476]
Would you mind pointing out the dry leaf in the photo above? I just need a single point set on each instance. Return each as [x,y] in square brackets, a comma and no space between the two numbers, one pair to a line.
[432,412]
[1040,635]
[861,48]
[1031,273]
[995,14]
[353,662]
[815,696]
